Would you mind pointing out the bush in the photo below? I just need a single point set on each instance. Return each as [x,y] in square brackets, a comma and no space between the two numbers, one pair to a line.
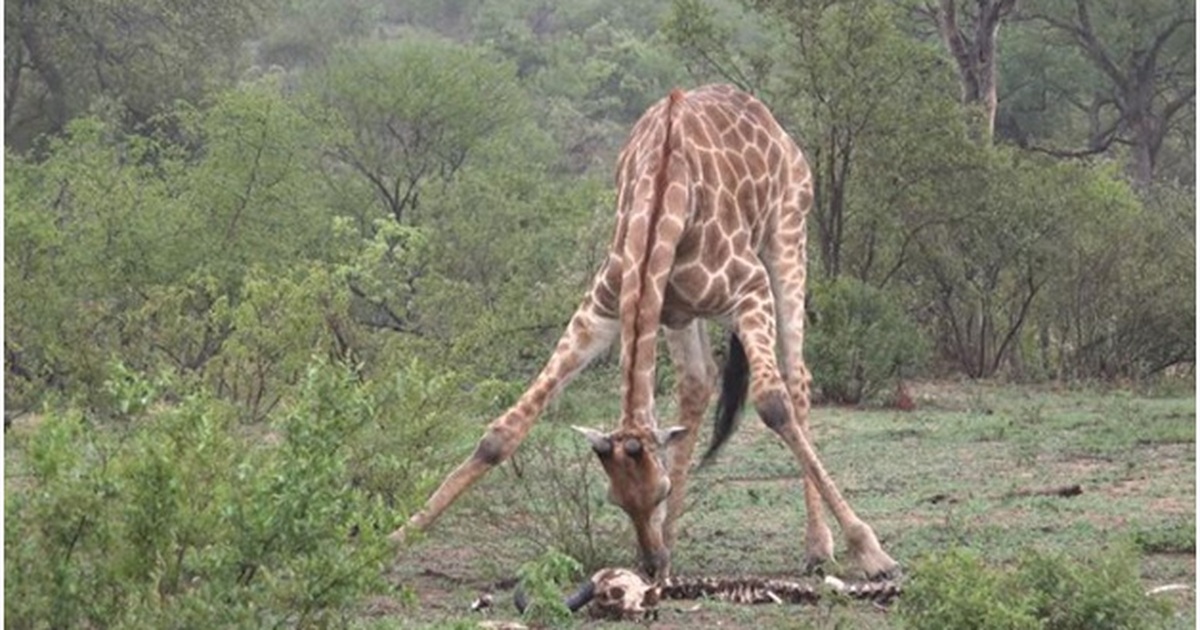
[958,590]
[859,341]
[560,491]
[181,516]
[544,581]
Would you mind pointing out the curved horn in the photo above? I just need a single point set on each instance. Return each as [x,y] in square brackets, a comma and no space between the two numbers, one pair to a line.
[633,447]
[599,441]
[580,598]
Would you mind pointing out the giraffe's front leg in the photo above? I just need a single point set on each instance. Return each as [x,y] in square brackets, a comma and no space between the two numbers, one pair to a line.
[756,327]
[588,334]
[695,373]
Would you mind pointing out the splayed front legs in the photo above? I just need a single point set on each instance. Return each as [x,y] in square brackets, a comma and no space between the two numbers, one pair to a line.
[586,336]
[778,408]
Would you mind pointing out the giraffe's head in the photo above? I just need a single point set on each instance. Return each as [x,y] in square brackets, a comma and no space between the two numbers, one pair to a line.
[635,460]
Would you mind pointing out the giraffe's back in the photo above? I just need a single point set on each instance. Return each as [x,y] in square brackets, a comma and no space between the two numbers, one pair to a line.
[742,169]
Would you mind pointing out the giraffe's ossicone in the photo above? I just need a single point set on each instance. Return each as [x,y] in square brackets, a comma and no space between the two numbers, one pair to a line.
[712,196]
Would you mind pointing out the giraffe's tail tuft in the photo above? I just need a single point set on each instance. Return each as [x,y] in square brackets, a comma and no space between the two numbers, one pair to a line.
[735,384]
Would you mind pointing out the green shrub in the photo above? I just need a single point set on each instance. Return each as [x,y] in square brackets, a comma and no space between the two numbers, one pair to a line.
[545,581]
[958,590]
[1099,593]
[553,498]
[1176,537]
[181,516]
[859,341]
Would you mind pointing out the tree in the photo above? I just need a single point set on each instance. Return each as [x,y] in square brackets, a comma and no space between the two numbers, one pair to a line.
[412,111]
[123,245]
[868,105]
[1145,52]
[1121,303]
[972,42]
[61,56]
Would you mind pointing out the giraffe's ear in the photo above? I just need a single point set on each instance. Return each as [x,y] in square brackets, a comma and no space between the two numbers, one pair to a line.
[668,436]
[599,441]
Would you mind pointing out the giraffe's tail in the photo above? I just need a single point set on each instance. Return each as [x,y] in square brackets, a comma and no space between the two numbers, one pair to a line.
[735,384]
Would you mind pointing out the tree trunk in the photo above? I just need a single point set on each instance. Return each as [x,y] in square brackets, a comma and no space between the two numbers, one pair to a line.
[41,60]
[1144,108]
[973,46]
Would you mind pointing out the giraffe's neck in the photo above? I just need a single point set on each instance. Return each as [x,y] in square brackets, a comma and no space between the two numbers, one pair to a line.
[654,221]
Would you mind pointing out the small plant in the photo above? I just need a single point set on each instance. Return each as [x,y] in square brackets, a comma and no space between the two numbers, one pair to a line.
[551,496]
[544,581]
[1176,537]
[959,590]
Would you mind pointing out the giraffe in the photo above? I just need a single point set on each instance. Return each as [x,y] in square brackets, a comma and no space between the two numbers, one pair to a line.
[711,201]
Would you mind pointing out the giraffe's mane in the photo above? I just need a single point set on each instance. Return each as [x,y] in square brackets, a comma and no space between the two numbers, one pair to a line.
[645,314]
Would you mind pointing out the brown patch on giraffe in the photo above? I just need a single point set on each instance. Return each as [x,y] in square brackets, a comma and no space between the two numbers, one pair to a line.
[741,241]
[727,223]
[746,129]
[740,171]
[719,121]
[708,166]
[716,253]
[725,172]
[690,280]
[755,162]
[737,270]
[695,132]
[774,155]
[717,295]
[746,196]
[732,140]
[727,204]
[761,139]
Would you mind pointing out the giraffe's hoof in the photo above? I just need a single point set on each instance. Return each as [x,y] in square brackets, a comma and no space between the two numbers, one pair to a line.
[398,537]
[890,575]
[816,564]
[881,568]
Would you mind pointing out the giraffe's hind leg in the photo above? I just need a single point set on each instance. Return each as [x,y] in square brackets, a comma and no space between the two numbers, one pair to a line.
[695,372]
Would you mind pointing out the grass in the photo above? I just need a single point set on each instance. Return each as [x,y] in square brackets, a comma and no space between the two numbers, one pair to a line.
[963,470]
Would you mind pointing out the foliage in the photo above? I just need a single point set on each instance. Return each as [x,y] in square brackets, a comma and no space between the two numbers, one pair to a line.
[859,341]
[413,111]
[1177,537]
[553,497]
[1138,65]
[116,236]
[305,32]
[1122,305]
[62,58]
[544,581]
[182,517]
[956,589]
